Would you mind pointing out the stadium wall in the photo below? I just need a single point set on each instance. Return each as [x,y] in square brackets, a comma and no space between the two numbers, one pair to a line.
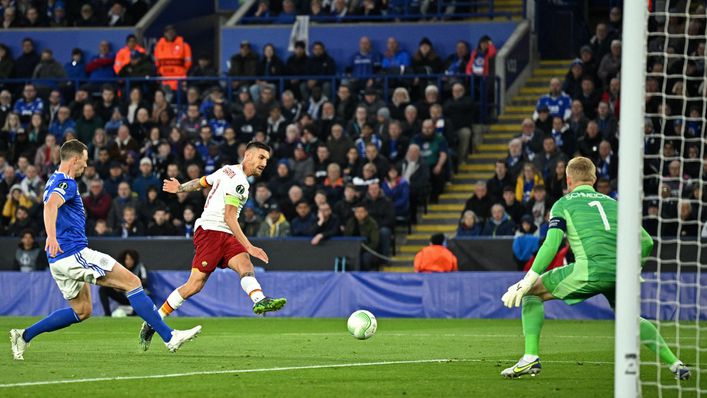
[62,41]
[336,295]
[341,40]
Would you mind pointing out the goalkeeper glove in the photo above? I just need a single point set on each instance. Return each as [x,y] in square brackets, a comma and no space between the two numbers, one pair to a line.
[515,293]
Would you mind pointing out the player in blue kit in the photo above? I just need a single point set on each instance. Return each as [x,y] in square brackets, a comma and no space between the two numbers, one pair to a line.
[72,263]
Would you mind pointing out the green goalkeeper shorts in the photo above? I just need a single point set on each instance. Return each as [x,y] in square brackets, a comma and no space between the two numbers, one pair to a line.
[570,284]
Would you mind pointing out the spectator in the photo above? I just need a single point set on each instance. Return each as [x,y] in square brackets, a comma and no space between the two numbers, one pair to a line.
[328,224]
[203,68]
[145,180]
[381,209]
[15,199]
[87,18]
[160,225]
[305,223]
[58,19]
[416,171]
[604,187]
[457,62]
[468,225]
[364,64]
[397,190]
[480,202]
[366,227]
[21,222]
[610,63]
[545,162]
[460,110]
[588,146]
[5,98]
[249,221]
[612,97]
[588,96]
[127,53]
[589,61]
[563,136]
[577,121]
[97,203]
[339,144]
[139,66]
[526,183]
[32,185]
[29,256]
[396,145]
[601,42]
[607,163]
[426,62]
[76,68]
[117,16]
[557,182]
[243,64]
[88,123]
[275,224]
[480,60]
[544,121]
[501,179]
[423,106]
[526,241]
[371,102]
[10,19]
[28,60]
[399,101]
[557,102]
[248,124]
[516,158]
[436,257]
[288,14]
[172,56]
[123,199]
[270,65]
[573,79]
[531,137]
[513,208]
[372,156]
[538,205]
[435,154]
[607,124]
[499,224]
[131,260]
[395,60]
[29,104]
[151,203]
[130,225]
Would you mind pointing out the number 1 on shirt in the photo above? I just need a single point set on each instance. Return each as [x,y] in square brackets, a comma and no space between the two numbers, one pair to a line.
[602,213]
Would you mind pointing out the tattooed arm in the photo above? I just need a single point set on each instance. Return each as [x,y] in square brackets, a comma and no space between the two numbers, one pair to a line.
[173,186]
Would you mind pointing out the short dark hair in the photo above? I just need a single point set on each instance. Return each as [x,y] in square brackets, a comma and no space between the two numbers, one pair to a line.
[437,239]
[129,252]
[258,145]
[72,148]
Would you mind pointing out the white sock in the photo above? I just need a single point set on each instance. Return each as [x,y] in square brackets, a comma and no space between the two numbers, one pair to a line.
[674,367]
[529,358]
[252,288]
[174,301]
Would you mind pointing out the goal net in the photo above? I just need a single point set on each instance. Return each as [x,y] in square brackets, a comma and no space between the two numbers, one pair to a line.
[674,290]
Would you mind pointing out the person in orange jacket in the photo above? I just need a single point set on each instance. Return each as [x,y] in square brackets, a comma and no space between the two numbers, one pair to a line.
[172,56]
[436,257]
[122,58]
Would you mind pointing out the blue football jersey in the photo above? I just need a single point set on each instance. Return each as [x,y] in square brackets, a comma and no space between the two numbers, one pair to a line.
[71,218]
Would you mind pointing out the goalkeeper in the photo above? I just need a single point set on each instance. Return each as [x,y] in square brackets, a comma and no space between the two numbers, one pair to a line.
[589,219]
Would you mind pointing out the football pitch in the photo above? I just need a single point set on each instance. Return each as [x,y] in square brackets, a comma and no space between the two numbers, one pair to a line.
[280,357]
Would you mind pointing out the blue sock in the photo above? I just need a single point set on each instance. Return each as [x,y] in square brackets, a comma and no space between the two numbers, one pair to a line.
[147,311]
[58,319]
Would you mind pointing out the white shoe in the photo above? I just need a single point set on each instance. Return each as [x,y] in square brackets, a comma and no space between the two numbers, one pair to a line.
[680,371]
[19,345]
[180,337]
[523,367]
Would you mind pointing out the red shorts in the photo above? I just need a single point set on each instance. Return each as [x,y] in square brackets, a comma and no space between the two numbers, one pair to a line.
[214,249]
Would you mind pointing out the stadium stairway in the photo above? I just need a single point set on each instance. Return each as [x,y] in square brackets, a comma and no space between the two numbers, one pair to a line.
[444,216]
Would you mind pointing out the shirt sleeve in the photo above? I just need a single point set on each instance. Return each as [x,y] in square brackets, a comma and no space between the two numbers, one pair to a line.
[210,179]
[65,188]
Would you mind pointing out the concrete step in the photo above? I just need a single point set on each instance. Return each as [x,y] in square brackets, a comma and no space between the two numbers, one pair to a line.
[403,258]
[410,249]
[458,195]
[488,155]
[440,216]
[555,62]
[514,119]
[477,167]
[497,128]
[532,92]
[445,207]
[469,188]
[430,228]
[550,72]
[523,110]
[418,237]
[493,147]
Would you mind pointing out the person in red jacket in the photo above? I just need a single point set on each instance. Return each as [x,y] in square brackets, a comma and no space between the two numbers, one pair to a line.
[436,257]
[97,202]
[122,58]
[172,56]
[480,60]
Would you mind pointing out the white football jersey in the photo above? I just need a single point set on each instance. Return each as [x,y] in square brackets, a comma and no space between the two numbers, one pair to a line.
[228,180]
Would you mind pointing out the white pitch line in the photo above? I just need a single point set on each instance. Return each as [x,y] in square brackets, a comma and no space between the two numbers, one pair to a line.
[260,370]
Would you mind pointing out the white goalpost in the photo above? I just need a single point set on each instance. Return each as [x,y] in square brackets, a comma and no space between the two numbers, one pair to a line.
[628,253]
[664,109]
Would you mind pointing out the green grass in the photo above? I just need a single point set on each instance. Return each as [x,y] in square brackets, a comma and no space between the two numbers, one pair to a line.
[577,359]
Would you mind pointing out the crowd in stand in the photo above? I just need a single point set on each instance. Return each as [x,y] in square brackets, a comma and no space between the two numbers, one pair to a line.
[286,11]
[580,116]
[354,165]
[67,13]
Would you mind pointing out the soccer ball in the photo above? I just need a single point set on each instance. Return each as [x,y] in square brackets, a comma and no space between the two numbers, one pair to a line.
[362,324]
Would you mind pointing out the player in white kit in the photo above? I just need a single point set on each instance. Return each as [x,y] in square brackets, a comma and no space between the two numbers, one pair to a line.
[218,238]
